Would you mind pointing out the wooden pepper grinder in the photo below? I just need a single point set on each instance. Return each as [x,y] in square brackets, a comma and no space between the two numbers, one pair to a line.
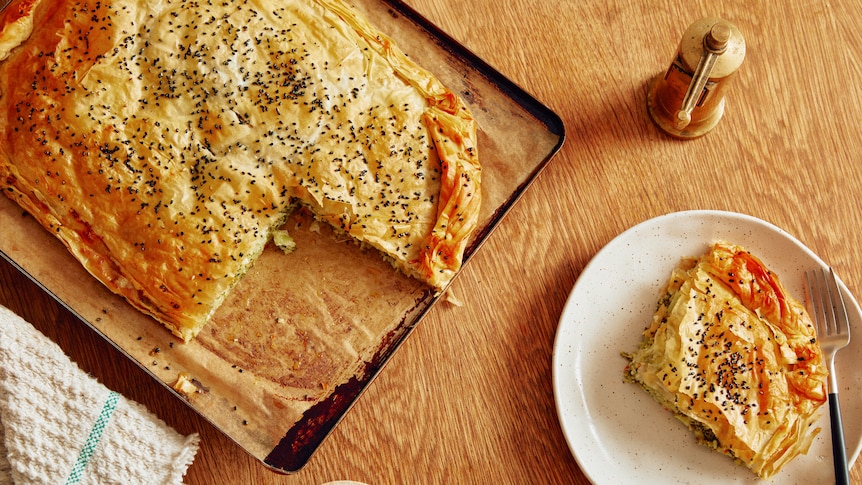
[688,100]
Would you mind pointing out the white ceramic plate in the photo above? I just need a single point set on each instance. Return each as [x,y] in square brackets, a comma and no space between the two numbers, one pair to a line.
[617,433]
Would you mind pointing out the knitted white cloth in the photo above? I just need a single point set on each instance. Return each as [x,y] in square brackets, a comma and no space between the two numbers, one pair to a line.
[60,426]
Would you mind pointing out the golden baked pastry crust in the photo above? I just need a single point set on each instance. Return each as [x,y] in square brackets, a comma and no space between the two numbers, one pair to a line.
[163,142]
[735,357]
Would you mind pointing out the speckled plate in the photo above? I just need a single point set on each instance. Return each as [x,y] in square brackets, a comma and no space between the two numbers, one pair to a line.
[617,433]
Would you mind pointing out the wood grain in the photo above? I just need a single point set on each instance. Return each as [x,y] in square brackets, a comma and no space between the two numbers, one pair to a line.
[468,398]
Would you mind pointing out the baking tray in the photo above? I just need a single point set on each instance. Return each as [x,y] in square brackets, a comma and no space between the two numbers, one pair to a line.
[302,335]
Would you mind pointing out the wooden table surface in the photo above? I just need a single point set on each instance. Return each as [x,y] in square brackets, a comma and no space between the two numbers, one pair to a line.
[469,397]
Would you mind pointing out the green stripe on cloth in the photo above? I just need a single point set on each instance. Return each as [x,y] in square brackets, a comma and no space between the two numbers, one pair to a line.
[93,439]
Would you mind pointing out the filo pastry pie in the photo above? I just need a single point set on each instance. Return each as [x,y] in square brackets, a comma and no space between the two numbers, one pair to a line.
[163,142]
[735,358]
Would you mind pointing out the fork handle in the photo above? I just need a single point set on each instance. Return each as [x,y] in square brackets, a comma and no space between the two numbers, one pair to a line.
[839,453]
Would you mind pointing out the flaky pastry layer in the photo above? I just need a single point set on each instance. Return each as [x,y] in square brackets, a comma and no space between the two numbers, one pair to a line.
[735,357]
[164,141]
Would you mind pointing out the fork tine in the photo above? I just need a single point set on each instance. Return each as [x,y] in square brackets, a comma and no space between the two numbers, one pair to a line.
[839,310]
[818,306]
[828,309]
[813,298]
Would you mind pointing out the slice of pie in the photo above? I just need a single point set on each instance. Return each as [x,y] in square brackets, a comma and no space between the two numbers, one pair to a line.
[164,142]
[735,358]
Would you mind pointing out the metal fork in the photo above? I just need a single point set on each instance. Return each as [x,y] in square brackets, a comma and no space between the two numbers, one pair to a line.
[833,332]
